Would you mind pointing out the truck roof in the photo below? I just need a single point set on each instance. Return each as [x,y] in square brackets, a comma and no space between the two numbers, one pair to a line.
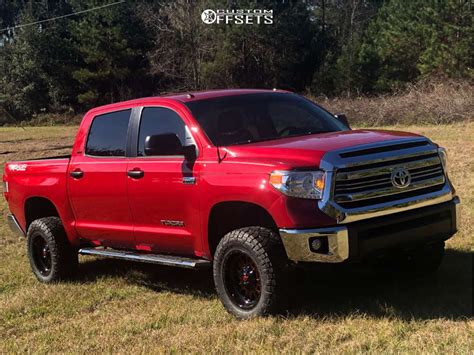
[187,97]
[202,95]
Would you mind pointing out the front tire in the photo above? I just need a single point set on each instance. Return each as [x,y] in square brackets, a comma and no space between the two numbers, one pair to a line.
[248,270]
[51,257]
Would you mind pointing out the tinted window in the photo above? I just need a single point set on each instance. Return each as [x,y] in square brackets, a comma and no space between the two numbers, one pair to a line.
[159,120]
[255,117]
[108,134]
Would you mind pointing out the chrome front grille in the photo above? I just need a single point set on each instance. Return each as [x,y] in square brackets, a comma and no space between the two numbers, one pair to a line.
[371,183]
[361,184]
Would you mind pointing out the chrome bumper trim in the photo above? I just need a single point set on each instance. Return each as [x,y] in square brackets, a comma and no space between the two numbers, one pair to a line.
[457,204]
[296,243]
[15,226]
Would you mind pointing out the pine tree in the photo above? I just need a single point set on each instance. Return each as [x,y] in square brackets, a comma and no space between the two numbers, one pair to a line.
[35,62]
[110,45]
[411,39]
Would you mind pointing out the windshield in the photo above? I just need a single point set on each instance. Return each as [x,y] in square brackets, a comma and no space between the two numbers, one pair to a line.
[252,118]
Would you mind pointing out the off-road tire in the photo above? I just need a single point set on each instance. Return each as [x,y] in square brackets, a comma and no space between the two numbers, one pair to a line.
[265,249]
[63,259]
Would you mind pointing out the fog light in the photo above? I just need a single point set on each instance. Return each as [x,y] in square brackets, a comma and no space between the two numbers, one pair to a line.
[316,244]
[319,245]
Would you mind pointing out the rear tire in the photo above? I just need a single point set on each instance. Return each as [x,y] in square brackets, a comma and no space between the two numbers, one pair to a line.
[51,256]
[249,267]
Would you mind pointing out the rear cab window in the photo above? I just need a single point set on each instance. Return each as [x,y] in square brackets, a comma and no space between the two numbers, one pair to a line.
[108,134]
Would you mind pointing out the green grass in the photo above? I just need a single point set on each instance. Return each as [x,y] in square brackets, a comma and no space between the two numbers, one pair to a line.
[124,307]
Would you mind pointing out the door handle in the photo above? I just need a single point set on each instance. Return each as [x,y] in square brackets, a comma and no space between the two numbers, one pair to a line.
[77,173]
[135,173]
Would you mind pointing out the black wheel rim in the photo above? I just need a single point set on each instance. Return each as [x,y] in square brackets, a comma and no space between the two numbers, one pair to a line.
[242,280]
[42,255]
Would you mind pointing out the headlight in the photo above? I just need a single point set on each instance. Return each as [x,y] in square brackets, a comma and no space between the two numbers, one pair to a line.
[302,184]
[443,156]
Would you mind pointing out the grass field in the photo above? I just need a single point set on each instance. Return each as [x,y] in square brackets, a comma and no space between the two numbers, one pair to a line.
[123,307]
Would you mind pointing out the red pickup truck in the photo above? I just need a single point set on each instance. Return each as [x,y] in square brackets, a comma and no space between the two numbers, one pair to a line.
[251,182]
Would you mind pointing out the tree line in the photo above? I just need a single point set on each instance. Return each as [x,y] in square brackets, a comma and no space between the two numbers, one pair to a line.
[55,62]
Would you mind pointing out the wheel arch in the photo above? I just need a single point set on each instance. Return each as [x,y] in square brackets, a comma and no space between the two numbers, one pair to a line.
[39,207]
[229,215]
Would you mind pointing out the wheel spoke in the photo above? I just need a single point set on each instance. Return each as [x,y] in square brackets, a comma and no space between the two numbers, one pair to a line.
[243,280]
[42,255]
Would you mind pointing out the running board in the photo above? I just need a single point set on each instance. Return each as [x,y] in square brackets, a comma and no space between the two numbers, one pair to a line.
[168,260]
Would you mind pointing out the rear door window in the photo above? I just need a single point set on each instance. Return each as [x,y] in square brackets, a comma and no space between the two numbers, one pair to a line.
[108,134]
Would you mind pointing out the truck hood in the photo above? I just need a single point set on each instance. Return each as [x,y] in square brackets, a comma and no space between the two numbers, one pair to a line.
[308,150]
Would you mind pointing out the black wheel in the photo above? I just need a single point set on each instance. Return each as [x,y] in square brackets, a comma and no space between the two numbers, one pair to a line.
[249,268]
[420,261]
[242,279]
[50,254]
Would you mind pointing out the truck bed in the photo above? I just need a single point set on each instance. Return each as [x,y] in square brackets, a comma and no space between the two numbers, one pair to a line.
[68,156]
[27,179]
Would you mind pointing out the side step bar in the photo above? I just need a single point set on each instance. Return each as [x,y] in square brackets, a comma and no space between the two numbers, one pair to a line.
[168,260]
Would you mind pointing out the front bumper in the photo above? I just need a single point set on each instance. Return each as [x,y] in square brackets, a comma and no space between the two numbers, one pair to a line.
[358,240]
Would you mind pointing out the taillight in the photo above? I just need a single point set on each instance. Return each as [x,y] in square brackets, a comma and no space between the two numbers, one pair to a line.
[5,187]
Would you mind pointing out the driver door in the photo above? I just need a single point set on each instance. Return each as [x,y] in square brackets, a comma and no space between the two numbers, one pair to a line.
[163,195]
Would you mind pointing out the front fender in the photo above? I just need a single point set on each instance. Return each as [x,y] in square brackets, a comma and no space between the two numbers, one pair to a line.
[250,185]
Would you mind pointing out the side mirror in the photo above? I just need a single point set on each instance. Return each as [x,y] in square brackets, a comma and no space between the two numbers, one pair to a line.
[343,119]
[168,144]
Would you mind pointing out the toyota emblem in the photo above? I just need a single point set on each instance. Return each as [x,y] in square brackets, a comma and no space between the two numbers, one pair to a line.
[400,178]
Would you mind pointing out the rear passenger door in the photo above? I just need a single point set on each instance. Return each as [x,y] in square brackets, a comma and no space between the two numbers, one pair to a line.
[163,199]
[98,182]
